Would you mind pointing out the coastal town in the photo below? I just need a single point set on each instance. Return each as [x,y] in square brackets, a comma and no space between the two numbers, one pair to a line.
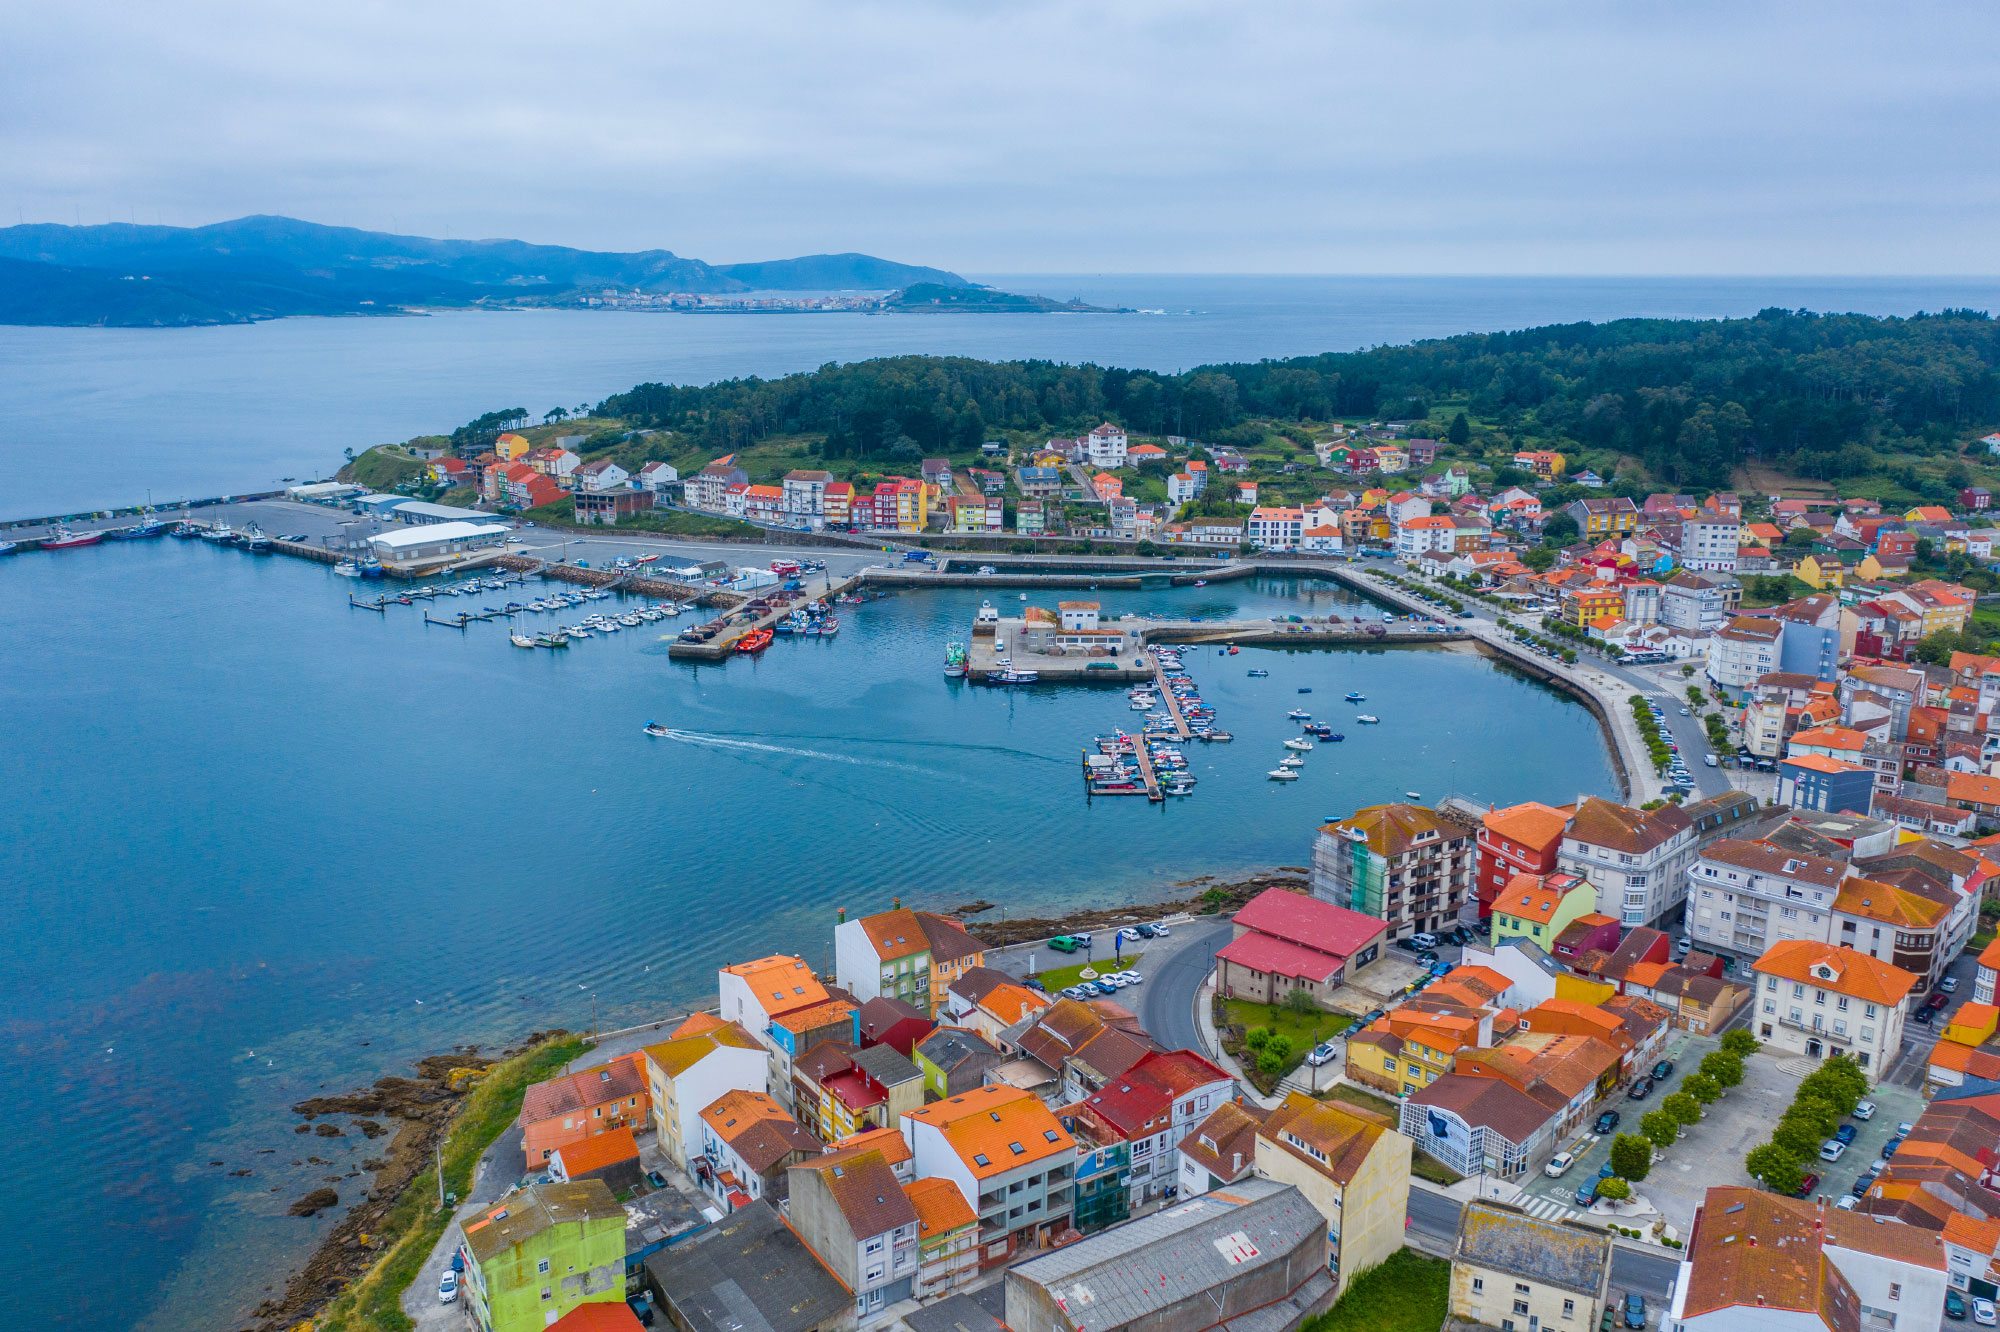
[1533,1064]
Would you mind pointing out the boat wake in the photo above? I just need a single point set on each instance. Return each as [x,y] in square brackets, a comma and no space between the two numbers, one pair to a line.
[711,741]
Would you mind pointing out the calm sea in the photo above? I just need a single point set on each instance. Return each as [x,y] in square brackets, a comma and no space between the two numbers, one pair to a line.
[258,846]
[110,416]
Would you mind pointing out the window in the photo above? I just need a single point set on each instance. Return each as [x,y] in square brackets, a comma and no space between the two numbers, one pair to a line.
[545,1292]
[1520,1306]
[1895,1290]
[1569,1308]
[542,1268]
[1522,1288]
[1478,1285]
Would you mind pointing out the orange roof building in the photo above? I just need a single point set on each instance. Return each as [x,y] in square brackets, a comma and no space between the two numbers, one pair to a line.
[990,1140]
[1819,999]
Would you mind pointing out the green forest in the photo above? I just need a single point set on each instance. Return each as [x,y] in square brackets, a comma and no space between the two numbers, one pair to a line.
[1825,396]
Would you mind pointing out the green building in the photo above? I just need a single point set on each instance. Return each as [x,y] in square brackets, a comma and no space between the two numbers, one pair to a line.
[1540,906]
[542,1251]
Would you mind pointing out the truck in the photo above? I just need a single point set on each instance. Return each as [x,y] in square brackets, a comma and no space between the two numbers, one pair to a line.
[916,557]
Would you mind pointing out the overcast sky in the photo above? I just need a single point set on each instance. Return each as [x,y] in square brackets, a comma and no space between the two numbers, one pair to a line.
[1484,136]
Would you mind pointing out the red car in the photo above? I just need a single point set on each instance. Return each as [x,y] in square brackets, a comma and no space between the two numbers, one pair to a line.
[1806,1186]
[1937,1001]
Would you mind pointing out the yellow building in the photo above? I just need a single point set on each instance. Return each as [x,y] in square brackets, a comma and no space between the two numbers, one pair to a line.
[1818,575]
[510,447]
[1539,907]
[1352,1166]
[1509,1269]
[1592,604]
[1408,1048]
[1583,990]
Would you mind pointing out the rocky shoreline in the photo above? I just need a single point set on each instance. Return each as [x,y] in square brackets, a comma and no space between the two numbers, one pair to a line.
[415,1113]
[1207,895]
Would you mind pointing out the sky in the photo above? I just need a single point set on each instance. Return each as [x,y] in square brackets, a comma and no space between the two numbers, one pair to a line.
[1430,136]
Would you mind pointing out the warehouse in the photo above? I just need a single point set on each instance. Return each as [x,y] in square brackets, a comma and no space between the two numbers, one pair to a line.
[411,548]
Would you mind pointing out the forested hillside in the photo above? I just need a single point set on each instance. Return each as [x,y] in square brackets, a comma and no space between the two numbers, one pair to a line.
[1823,396]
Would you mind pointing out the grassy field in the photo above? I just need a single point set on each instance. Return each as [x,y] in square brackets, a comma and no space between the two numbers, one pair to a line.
[1062,977]
[374,1302]
[1407,1293]
[1305,1030]
[381,469]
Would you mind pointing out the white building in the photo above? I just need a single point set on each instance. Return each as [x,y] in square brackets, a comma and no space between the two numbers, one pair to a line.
[1275,528]
[1637,859]
[1105,446]
[1008,1156]
[1689,601]
[1745,896]
[414,547]
[1742,652]
[658,476]
[601,475]
[1818,999]
[1709,542]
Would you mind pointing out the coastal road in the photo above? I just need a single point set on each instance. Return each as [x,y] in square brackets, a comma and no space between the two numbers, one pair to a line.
[1434,1219]
[1166,1007]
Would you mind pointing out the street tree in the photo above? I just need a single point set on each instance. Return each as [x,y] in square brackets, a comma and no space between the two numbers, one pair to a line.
[1725,1066]
[1661,1129]
[1614,1188]
[1777,1168]
[1702,1087]
[1631,1156]
[1684,1108]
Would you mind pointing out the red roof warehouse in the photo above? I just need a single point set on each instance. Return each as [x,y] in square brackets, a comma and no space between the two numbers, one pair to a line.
[1286,941]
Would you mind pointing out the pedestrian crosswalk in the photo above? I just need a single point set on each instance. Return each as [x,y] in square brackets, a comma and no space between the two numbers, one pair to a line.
[1548,1209]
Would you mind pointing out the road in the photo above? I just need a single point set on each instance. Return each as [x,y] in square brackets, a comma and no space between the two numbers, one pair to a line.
[1166,1008]
[1434,1216]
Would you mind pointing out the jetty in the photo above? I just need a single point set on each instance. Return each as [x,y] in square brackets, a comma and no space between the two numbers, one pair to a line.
[1174,715]
[723,633]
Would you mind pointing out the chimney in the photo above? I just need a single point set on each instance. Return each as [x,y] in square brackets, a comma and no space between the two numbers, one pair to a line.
[843,915]
[896,904]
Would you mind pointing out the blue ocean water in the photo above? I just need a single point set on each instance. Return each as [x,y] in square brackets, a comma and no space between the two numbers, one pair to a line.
[259,846]
[110,416]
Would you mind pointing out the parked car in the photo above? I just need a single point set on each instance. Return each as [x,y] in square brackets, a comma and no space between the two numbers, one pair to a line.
[1938,1000]
[1982,1311]
[1423,942]
[1890,1148]
[656,1179]
[1635,1310]
[1832,1150]
[1606,1122]
[1146,931]
[448,1288]
[1035,985]
[1845,1134]
[1865,1110]
[1663,1070]
[1641,1089]
[1162,932]
[1923,1016]
[1586,1193]
[1064,943]
[1848,1202]
[1949,985]
[1321,1054]
[1605,1171]
[1955,1307]
[1559,1165]
[1806,1185]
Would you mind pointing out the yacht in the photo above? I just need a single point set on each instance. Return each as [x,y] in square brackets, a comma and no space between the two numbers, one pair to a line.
[1368,719]
[1299,744]
[1299,714]
[521,640]
[1291,761]
[1283,775]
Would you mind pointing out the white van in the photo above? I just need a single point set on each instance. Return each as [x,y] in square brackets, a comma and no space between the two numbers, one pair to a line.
[1709,759]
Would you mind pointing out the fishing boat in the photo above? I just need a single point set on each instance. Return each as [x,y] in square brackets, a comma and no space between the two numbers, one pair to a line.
[1299,714]
[149,528]
[64,539]
[1010,676]
[521,640]
[557,640]
[1368,719]
[219,532]
[646,559]
[1300,744]
[754,641]
[1282,775]
[256,542]
[954,661]
[1220,737]
[371,568]
[1258,672]
[829,626]
[1354,696]
[654,728]
[9,547]
[1335,736]
[347,569]
[186,531]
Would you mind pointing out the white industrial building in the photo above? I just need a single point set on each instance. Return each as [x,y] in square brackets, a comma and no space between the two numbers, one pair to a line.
[412,547]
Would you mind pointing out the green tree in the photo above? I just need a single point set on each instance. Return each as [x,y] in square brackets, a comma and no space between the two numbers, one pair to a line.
[1257,1037]
[1740,1043]
[1724,1065]
[1538,558]
[1702,1087]
[1631,1155]
[1799,538]
[1460,431]
[1661,1129]
[1616,1189]
[1560,529]
[1798,1137]
[1684,1108]
[1300,1000]
[1778,1169]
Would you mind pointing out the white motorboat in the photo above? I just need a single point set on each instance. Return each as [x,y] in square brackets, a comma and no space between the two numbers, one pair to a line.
[1299,743]
[347,569]
[1291,761]
[1414,795]
[1368,719]
[1283,775]
[1299,714]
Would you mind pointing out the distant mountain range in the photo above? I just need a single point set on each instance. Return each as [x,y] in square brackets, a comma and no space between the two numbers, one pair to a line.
[269,267]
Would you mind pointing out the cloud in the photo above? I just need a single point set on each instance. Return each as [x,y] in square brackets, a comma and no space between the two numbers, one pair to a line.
[1172,135]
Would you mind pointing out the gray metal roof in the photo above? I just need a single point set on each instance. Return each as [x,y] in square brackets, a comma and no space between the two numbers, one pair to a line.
[960,1313]
[749,1274]
[1504,1239]
[1121,1275]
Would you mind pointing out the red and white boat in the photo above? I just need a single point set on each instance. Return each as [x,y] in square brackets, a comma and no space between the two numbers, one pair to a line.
[64,539]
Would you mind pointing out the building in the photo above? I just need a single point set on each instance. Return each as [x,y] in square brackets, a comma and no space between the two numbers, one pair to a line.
[1813,781]
[1106,446]
[1742,652]
[606,508]
[1151,1108]
[1546,464]
[1222,1150]
[748,1141]
[542,1251]
[1275,527]
[1352,1166]
[600,475]
[841,1091]
[1482,1125]
[1010,1159]
[657,477]
[1598,517]
[578,1105]
[709,488]
[852,1210]
[1762,1262]
[902,954]
[1519,1273]
[1519,839]
[1539,907]
[1745,896]
[947,1238]
[1637,858]
[612,1156]
[1711,542]
[1285,941]
[687,1073]
[410,550]
[1407,866]
[749,1273]
[1819,999]
[1191,1267]
[756,994]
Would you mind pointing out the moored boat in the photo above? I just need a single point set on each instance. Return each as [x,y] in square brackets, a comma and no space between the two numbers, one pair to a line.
[1353,696]
[347,569]
[1282,775]
[371,568]
[1299,714]
[521,640]
[1368,719]
[754,641]
[1301,745]
[556,640]
[64,539]
[954,661]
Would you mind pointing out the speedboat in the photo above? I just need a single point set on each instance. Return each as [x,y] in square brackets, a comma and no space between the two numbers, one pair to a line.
[1299,744]
[654,728]
[1299,714]
[1258,673]
[1305,689]
[576,631]
[1414,795]
[347,569]
[1291,761]
[1282,775]
[1354,696]
[1368,719]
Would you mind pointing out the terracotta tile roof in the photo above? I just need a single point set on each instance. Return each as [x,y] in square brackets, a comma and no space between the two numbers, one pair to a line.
[1621,828]
[1533,825]
[864,1188]
[696,1024]
[940,1207]
[813,1018]
[615,1081]
[675,1057]
[736,1116]
[1486,1103]
[780,983]
[1889,904]
[1756,1249]
[597,1151]
[1010,1003]
[1308,922]
[1333,1139]
[1225,1144]
[1975,787]
[1856,974]
[1831,737]
[1535,897]
[603,1316]
[1392,829]
[895,934]
[995,1129]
